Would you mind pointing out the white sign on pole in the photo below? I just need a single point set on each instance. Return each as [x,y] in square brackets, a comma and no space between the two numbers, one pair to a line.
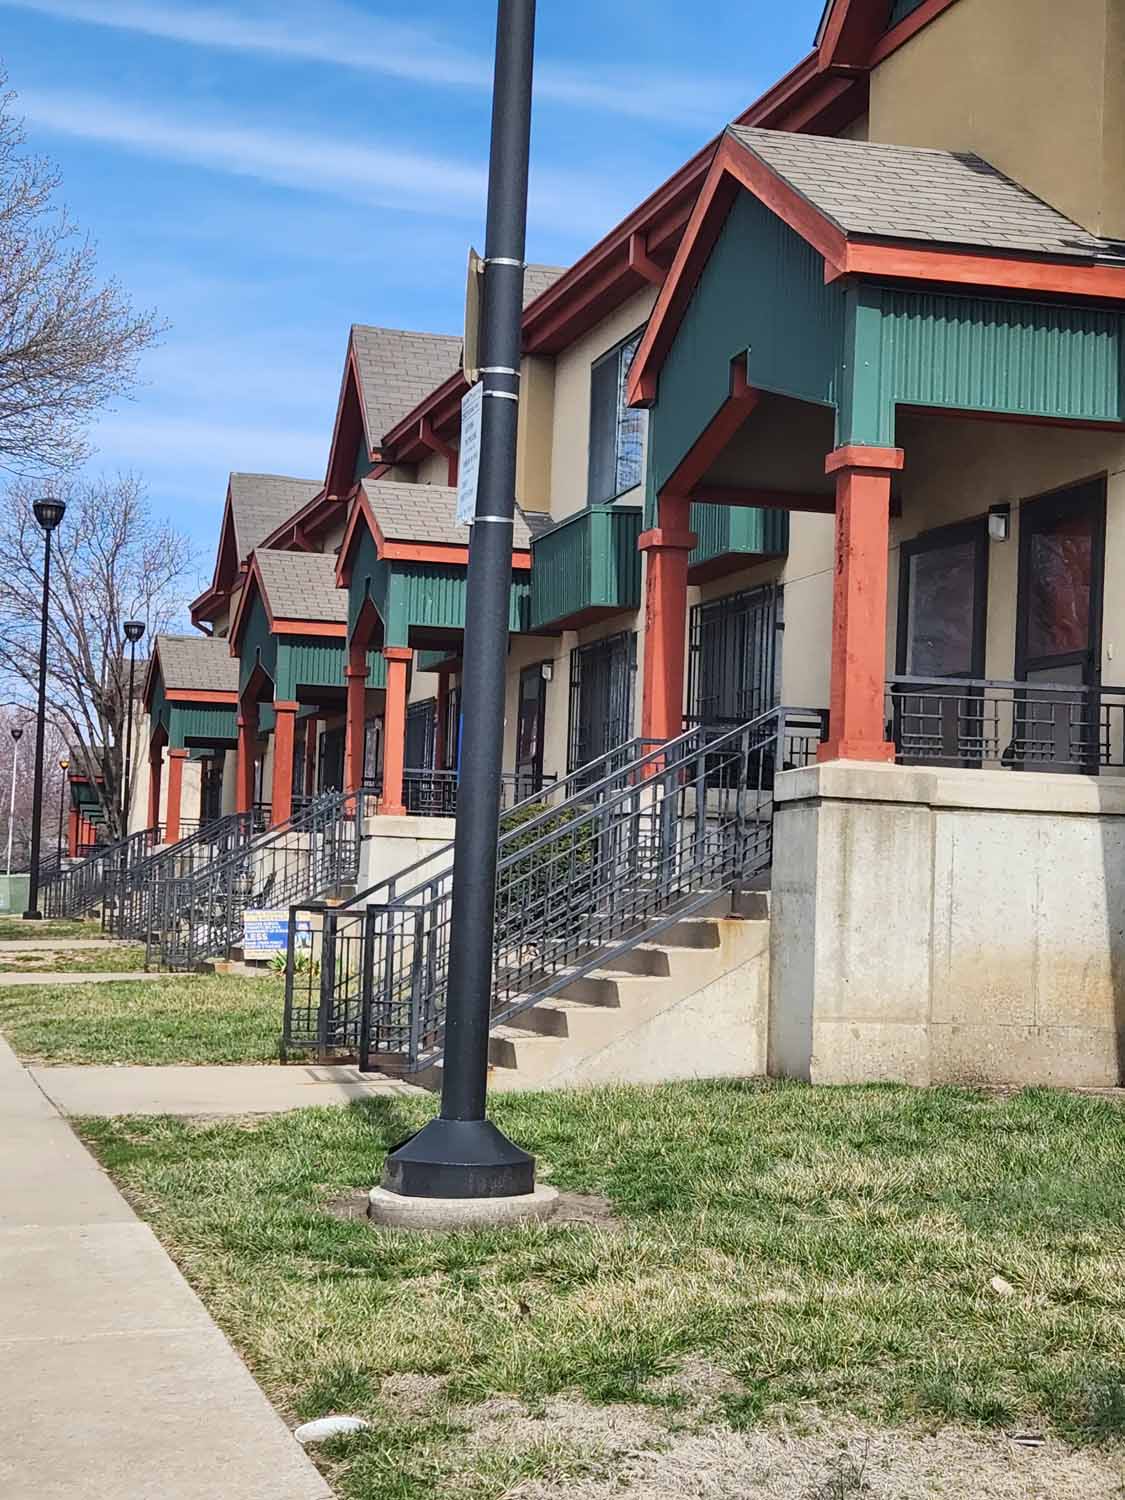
[468,459]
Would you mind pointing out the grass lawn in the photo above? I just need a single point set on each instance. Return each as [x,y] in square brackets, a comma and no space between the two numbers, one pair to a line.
[200,1018]
[108,958]
[13,929]
[789,1267]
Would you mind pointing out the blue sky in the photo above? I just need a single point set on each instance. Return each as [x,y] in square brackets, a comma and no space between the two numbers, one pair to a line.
[266,172]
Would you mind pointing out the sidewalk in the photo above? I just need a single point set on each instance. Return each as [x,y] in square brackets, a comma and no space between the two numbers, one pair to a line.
[114,1382]
[227,1090]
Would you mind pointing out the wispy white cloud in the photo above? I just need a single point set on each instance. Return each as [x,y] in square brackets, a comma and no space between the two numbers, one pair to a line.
[344,36]
[374,175]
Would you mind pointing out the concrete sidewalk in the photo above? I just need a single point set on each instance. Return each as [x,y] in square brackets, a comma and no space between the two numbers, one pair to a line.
[234,1090]
[114,1382]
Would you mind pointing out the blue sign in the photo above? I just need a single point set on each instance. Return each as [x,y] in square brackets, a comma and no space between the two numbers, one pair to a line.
[265,933]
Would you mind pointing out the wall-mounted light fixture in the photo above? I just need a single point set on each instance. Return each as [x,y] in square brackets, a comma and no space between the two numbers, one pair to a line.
[999,522]
[548,670]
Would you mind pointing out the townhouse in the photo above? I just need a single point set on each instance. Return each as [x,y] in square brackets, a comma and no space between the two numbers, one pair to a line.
[832,422]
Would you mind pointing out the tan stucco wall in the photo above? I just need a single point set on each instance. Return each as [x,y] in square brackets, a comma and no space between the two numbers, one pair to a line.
[571,438]
[1036,88]
[956,468]
[432,470]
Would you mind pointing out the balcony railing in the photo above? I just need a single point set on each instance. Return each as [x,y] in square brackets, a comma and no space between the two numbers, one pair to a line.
[433,794]
[990,724]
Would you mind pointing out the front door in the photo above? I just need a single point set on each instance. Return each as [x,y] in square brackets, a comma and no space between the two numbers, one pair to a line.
[601,697]
[529,731]
[1058,628]
[943,603]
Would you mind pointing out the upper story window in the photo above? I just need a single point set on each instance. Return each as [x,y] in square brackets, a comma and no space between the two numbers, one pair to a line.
[617,431]
[900,9]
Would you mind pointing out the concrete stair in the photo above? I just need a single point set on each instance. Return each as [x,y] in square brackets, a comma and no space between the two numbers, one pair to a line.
[690,1004]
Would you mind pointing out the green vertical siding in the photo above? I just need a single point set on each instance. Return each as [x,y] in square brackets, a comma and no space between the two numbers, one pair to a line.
[207,722]
[308,662]
[723,529]
[256,643]
[588,562]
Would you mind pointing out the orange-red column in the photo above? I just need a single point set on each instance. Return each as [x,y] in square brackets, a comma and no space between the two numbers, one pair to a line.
[394,728]
[355,722]
[247,745]
[668,547]
[176,760]
[284,743]
[857,694]
[72,833]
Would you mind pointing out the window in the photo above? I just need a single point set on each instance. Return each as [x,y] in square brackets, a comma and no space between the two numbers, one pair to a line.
[735,662]
[601,697]
[617,431]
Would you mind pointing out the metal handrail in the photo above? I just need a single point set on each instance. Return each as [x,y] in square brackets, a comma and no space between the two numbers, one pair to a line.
[130,911]
[629,851]
[78,889]
[200,914]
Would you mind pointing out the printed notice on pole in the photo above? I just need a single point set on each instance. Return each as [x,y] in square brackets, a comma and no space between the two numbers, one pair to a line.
[468,460]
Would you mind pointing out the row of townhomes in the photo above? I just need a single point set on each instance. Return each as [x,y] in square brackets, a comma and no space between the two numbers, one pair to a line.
[816,599]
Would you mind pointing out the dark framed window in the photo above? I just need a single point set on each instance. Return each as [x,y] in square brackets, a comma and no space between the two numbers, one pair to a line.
[601,697]
[734,670]
[421,726]
[617,431]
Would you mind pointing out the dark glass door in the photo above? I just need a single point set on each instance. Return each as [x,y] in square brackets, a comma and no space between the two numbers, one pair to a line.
[942,613]
[735,666]
[421,720]
[1058,628]
[529,731]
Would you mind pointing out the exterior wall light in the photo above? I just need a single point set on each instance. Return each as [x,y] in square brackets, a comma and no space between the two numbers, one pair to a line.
[999,522]
[547,670]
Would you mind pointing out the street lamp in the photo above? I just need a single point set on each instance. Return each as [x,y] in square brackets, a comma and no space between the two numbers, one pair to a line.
[462,1154]
[17,735]
[64,766]
[48,512]
[134,629]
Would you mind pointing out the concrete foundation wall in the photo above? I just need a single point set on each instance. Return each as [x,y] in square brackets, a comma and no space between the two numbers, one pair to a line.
[947,927]
[390,845]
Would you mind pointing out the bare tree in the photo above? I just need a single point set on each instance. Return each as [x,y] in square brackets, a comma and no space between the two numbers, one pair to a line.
[112,560]
[68,342]
[16,811]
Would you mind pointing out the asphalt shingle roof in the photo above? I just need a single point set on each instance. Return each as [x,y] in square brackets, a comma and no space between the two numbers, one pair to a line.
[260,503]
[870,190]
[428,513]
[399,369]
[197,662]
[302,585]
[536,280]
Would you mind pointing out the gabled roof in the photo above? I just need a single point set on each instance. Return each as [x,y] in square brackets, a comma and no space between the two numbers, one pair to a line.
[428,513]
[301,586]
[194,663]
[396,369]
[418,523]
[260,503]
[900,212]
[870,190]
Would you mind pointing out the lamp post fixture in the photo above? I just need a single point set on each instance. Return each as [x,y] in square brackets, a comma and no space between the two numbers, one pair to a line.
[462,1154]
[64,766]
[48,512]
[134,629]
[17,734]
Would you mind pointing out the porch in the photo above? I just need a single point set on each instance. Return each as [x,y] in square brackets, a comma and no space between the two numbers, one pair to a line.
[190,695]
[905,340]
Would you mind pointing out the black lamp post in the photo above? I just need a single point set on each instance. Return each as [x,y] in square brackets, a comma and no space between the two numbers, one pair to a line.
[16,732]
[48,512]
[64,766]
[134,629]
[462,1154]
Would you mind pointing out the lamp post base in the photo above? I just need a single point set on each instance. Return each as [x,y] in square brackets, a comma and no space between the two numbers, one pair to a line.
[440,1215]
[468,1159]
[33,916]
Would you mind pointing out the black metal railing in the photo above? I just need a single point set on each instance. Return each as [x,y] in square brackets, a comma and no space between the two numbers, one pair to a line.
[137,895]
[619,850]
[429,793]
[983,723]
[199,914]
[76,890]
